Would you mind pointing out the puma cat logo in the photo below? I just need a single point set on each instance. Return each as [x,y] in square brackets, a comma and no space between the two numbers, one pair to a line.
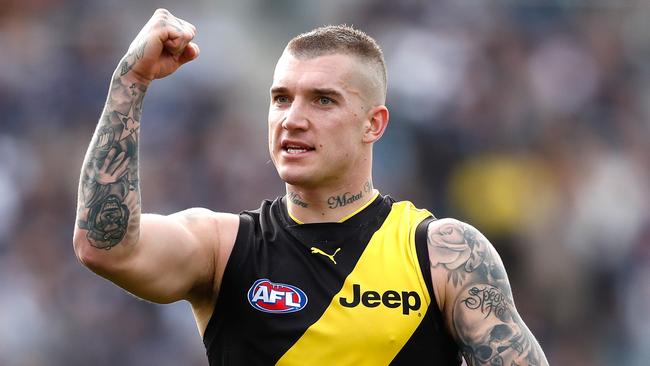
[318,251]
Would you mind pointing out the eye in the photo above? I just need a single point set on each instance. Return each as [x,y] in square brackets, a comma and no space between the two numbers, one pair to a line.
[281,99]
[325,101]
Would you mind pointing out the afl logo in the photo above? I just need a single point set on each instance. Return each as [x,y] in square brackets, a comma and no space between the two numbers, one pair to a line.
[271,297]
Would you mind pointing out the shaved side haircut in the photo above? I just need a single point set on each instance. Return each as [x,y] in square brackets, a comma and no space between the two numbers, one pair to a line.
[341,39]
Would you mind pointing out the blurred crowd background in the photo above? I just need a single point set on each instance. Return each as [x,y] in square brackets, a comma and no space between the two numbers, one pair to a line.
[528,119]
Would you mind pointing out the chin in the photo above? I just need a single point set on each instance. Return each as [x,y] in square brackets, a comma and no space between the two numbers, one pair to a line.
[295,178]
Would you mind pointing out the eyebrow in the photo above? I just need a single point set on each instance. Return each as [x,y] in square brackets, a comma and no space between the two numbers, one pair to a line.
[279,90]
[328,92]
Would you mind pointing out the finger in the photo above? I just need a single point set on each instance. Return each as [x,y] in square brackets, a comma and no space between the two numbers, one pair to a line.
[180,34]
[107,160]
[115,164]
[190,53]
[121,169]
[188,26]
[174,46]
[158,20]
[103,139]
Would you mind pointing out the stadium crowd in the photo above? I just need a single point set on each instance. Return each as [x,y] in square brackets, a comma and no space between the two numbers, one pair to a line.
[530,120]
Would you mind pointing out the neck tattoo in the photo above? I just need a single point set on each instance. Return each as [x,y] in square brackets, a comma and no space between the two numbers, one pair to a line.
[297,200]
[348,197]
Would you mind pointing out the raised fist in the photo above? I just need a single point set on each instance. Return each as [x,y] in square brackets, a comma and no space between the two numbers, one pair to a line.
[161,47]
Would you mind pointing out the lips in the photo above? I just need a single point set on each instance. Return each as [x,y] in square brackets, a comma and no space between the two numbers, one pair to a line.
[295,147]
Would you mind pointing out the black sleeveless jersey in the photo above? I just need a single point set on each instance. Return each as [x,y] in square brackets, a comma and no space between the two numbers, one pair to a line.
[356,292]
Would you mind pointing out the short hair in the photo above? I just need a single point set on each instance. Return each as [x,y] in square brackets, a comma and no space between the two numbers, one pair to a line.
[341,39]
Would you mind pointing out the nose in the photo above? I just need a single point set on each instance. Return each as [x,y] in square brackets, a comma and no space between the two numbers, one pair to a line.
[295,117]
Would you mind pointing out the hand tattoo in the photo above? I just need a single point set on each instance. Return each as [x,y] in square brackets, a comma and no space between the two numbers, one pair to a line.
[131,58]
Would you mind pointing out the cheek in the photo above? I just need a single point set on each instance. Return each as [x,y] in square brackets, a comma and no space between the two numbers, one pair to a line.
[273,125]
[348,135]
[272,136]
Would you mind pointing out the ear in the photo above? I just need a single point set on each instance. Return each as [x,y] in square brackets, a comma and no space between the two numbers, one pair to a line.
[375,124]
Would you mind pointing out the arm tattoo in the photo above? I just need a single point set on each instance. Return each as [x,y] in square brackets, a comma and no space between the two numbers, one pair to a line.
[109,193]
[483,314]
[131,58]
[465,253]
[487,299]
[490,330]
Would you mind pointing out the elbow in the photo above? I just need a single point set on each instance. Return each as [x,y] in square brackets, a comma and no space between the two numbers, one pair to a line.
[83,249]
[92,257]
[104,260]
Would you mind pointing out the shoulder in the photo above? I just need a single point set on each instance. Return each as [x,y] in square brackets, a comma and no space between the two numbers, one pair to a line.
[199,213]
[454,243]
[460,255]
[217,229]
[202,219]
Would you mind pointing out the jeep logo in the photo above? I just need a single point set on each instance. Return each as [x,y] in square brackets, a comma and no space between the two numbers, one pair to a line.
[408,300]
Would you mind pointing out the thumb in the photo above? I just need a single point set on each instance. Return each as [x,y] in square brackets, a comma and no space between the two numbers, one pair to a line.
[190,53]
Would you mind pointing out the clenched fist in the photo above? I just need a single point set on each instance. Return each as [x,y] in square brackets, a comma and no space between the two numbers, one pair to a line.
[161,47]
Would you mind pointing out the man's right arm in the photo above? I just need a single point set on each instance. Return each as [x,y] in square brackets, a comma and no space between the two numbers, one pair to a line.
[158,258]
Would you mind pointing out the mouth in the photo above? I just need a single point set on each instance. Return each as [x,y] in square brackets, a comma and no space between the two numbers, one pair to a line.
[295,148]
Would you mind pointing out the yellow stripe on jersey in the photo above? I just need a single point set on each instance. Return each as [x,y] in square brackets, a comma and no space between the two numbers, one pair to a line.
[362,207]
[381,304]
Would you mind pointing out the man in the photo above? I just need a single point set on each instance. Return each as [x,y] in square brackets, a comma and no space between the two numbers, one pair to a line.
[333,272]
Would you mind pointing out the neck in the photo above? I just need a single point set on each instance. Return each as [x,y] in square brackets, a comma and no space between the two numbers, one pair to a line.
[332,205]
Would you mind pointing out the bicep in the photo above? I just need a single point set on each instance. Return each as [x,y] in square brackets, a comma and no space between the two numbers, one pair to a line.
[478,303]
[175,256]
[489,329]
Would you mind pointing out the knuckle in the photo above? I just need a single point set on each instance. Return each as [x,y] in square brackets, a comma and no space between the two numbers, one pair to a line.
[162,11]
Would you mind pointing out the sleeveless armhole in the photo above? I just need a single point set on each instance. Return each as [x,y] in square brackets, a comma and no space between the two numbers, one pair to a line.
[234,261]
[421,246]
[423,254]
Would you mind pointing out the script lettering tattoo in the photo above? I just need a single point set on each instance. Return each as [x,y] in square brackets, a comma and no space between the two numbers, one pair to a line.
[487,299]
[348,198]
[109,191]
[490,330]
[297,200]
[343,199]
[367,187]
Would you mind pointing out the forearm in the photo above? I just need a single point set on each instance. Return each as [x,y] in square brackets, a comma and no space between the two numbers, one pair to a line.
[108,207]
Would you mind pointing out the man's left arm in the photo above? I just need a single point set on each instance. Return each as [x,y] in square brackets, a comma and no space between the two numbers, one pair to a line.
[473,292]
